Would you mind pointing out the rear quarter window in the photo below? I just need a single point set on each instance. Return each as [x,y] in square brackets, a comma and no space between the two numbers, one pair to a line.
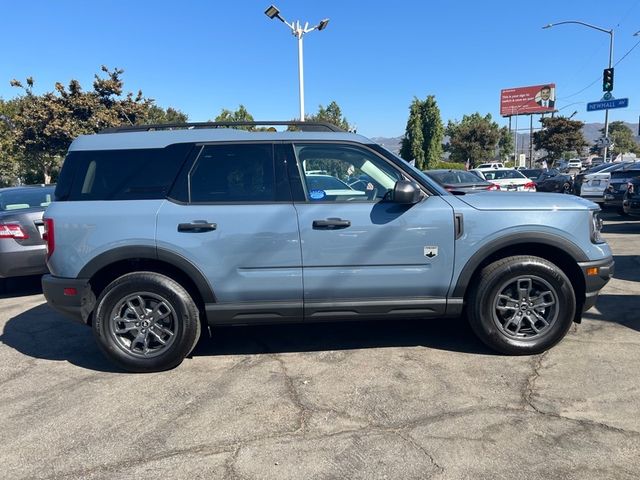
[135,174]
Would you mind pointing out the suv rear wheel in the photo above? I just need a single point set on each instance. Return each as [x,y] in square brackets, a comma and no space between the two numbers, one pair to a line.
[521,305]
[146,322]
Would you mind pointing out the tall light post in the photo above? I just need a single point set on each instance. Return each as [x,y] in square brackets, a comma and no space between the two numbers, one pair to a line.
[610,33]
[298,31]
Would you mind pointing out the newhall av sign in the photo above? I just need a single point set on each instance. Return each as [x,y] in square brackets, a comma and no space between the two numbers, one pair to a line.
[527,100]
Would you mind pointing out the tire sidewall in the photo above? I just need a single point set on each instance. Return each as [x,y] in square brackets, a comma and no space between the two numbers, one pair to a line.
[187,321]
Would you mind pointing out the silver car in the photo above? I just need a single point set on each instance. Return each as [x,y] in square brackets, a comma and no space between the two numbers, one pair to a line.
[22,249]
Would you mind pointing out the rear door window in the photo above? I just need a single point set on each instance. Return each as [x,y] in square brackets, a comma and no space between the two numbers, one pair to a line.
[235,173]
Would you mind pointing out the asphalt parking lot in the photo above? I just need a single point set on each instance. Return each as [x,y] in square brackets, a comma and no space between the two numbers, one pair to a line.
[405,400]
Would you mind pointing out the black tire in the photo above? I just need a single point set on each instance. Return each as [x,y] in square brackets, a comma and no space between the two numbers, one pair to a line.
[566,188]
[509,326]
[146,299]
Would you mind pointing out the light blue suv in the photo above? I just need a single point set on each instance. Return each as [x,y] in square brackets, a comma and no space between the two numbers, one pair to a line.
[156,233]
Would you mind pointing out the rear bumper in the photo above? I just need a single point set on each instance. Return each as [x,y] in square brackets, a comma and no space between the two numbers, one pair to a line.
[594,198]
[79,306]
[613,199]
[595,280]
[19,263]
[631,207]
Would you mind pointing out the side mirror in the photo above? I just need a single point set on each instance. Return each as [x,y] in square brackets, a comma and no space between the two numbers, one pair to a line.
[406,192]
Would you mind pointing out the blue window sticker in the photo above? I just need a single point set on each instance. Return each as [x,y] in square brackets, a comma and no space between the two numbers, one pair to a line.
[317,194]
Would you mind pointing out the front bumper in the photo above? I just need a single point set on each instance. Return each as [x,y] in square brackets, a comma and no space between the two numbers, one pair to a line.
[59,294]
[596,275]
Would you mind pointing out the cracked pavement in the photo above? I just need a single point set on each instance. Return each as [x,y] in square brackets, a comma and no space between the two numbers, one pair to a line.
[385,400]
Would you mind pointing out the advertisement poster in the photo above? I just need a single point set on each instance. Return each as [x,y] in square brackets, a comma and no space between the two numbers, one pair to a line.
[526,100]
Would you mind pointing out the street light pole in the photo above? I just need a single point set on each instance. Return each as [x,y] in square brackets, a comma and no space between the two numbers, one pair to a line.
[298,31]
[610,33]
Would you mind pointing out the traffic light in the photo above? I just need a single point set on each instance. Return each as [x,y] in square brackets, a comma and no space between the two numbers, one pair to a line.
[607,80]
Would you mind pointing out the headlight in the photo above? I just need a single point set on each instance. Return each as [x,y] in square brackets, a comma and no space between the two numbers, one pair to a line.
[596,227]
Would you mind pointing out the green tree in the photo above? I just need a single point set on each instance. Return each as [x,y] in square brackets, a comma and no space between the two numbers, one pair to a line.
[9,163]
[45,125]
[331,114]
[412,146]
[422,141]
[505,144]
[559,135]
[475,138]
[158,115]
[239,115]
[622,138]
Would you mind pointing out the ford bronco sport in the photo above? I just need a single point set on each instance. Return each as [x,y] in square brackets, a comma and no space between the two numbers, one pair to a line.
[157,232]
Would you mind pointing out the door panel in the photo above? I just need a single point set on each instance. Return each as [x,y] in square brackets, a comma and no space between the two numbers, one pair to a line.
[381,254]
[252,255]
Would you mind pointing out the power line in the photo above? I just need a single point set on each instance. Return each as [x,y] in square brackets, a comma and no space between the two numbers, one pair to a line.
[598,78]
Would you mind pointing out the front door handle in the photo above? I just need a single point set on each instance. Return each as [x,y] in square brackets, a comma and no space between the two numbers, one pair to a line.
[197,226]
[331,223]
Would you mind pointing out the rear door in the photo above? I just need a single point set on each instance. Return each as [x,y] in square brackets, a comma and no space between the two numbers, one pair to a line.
[363,255]
[232,216]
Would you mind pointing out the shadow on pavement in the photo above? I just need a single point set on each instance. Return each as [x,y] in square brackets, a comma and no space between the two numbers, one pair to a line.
[20,286]
[627,268]
[621,309]
[441,334]
[42,333]
[623,227]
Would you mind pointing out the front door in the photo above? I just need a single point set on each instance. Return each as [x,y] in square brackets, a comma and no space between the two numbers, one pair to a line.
[363,255]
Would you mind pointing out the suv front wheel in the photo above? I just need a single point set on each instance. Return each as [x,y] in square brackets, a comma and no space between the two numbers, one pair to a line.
[521,305]
[146,322]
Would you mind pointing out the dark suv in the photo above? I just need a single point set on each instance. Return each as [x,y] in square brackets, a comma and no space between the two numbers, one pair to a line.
[154,235]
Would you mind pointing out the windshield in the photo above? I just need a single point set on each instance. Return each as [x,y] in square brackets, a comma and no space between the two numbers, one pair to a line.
[23,198]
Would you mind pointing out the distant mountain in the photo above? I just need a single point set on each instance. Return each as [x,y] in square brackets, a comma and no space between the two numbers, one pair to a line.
[591,132]
[392,144]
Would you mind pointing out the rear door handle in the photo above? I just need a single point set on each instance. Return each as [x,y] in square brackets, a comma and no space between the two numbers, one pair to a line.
[331,223]
[197,226]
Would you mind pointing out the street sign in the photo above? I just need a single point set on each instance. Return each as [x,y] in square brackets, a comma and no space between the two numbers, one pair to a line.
[604,142]
[608,104]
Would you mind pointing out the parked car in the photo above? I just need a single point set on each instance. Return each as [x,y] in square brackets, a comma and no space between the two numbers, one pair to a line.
[580,177]
[22,249]
[222,228]
[508,179]
[595,184]
[490,165]
[554,181]
[460,181]
[618,183]
[531,173]
[631,199]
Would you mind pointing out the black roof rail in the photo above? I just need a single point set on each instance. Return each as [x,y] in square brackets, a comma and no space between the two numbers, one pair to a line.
[303,126]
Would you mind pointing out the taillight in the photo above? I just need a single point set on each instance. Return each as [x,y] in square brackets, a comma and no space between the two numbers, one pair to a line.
[530,186]
[493,186]
[12,230]
[48,236]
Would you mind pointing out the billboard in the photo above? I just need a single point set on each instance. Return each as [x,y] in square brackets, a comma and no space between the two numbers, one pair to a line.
[526,100]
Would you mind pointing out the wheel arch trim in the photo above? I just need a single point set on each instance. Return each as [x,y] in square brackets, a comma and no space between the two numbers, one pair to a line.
[511,240]
[150,253]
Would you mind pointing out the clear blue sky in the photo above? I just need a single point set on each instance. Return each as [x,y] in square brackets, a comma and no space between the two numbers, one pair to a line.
[373,58]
